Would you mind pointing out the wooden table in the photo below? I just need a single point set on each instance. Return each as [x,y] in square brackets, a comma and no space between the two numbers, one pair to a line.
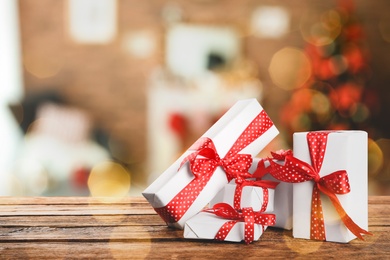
[83,227]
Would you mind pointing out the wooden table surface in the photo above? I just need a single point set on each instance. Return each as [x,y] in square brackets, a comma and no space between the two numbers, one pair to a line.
[85,227]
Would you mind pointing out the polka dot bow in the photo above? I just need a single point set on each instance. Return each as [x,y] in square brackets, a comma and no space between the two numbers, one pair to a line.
[246,215]
[206,159]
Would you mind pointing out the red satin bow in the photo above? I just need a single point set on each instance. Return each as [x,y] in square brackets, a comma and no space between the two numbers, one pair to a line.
[205,159]
[281,154]
[262,170]
[246,215]
[295,171]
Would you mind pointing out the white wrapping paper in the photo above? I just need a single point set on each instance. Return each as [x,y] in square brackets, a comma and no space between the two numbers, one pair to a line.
[345,150]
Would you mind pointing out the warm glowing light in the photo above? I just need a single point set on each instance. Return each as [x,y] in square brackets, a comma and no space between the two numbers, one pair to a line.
[140,44]
[301,246]
[312,101]
[361,113]
[118,251]
[347,97]
[338,64]
[42,65]
[322,29]
[301,122]
[320,103]
[375,157]
[270,21]
[290,68]
[378,151]
[331,19]
[109,179]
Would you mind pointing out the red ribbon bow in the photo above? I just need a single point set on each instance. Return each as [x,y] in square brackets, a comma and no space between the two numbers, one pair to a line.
[262,170]
[205,159]
[246,215]
[295,171]
[281,154]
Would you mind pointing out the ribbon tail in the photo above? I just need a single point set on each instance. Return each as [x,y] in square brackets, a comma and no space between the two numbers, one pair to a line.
[348,222]
[317,228]
[249,225]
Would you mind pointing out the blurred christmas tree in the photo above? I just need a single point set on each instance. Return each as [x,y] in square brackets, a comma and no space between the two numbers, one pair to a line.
[337,95]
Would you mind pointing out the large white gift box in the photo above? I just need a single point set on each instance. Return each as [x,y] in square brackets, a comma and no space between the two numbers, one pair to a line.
[251,196]
[344,150]
[206,225]
[178,193]
[283,197]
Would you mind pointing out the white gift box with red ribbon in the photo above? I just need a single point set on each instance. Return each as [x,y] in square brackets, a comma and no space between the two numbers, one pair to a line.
[178,194]
[206,226]
[344,151]
[232,225]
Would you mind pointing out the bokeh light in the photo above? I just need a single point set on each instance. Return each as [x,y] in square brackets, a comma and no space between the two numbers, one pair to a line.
[109,179]
[289,68]
[41,65]
[384,174]
[301,246]
[307,107]
[375,157]
[320,104]
[120,250]
[361,113]
[321,29]
[348,97]
[338,64]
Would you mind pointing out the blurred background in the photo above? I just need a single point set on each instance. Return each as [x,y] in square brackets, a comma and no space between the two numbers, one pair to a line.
[99,97]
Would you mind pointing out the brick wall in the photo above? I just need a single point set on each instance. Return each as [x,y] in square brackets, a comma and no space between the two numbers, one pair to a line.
[111,85]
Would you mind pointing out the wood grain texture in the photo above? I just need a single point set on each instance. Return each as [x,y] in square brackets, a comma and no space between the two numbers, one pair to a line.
[85,227]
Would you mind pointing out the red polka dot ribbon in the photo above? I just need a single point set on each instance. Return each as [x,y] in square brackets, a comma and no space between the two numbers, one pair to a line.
[295,171]
[241,183]
[281,154]
[246,215]
[262,170]
[205,159]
